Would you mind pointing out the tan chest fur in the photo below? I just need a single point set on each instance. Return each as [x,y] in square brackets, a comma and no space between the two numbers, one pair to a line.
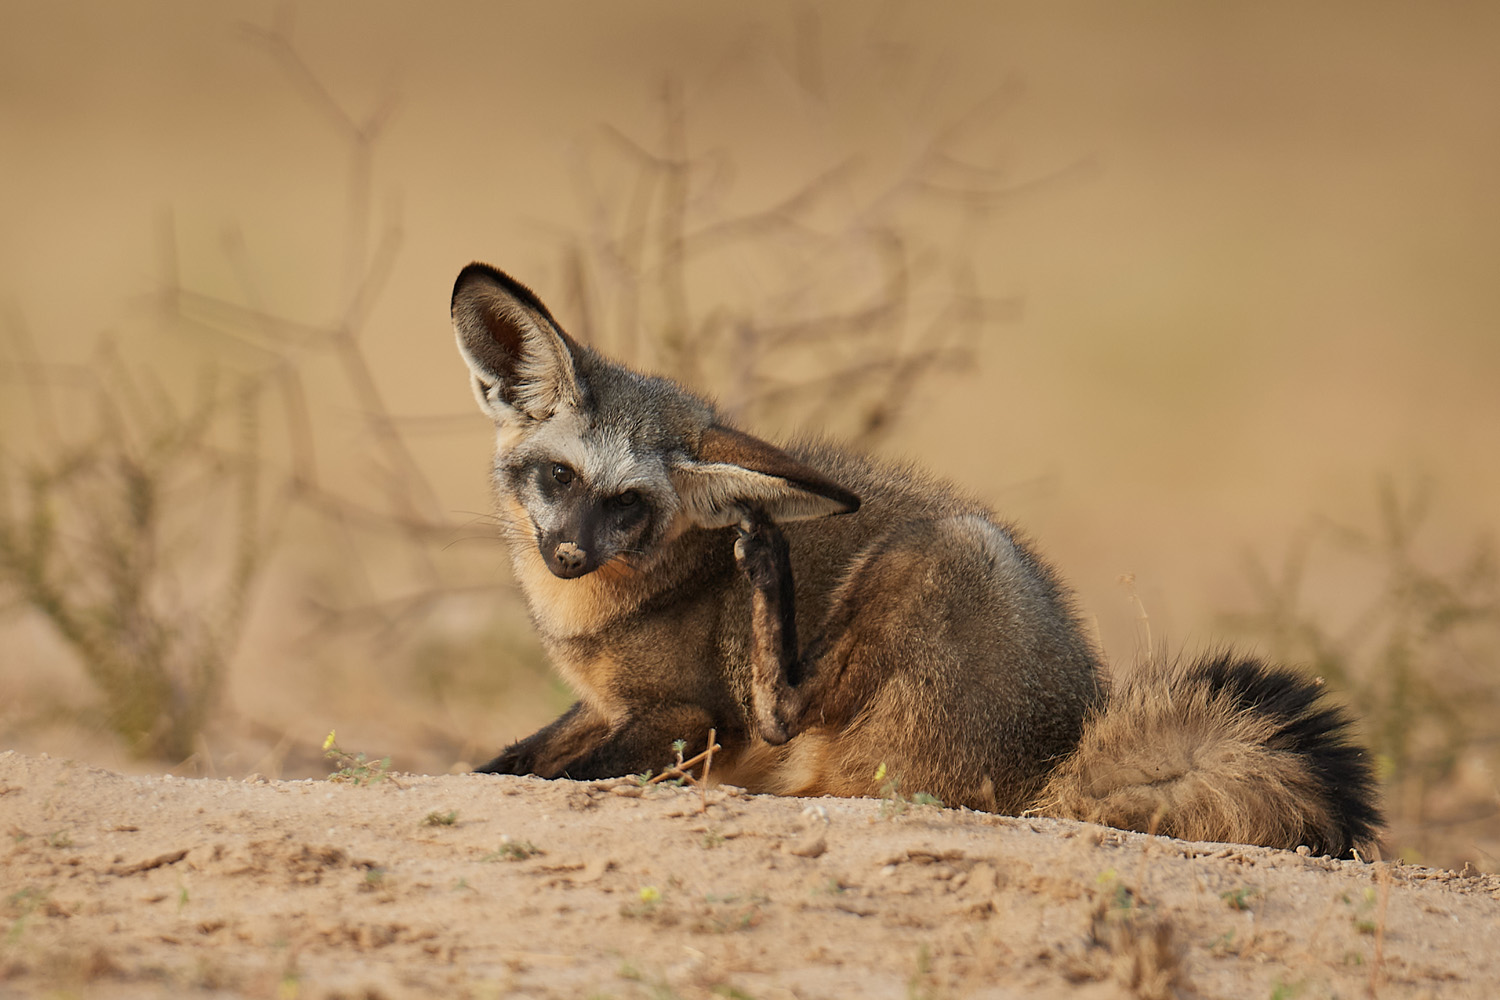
[567,609]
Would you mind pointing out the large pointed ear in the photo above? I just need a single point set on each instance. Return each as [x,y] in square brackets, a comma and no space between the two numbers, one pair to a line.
[734,470]
[521,360]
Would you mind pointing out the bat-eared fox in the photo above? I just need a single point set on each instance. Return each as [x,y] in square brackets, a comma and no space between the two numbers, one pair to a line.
[827,613]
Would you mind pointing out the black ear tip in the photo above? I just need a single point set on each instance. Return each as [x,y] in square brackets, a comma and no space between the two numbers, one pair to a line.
[847,502]
[480,274]
[475,273]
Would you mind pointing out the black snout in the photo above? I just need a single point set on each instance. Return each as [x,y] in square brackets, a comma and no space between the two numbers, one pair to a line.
[568,560]
[587,530]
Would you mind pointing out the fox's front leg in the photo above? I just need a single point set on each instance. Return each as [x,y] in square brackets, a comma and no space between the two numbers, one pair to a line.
[762,555]
[548,750]
[586,747]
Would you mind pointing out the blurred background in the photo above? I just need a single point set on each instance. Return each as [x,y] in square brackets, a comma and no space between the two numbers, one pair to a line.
[1203,296]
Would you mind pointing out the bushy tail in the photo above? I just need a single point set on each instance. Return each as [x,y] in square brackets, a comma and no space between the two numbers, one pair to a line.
[1224,749]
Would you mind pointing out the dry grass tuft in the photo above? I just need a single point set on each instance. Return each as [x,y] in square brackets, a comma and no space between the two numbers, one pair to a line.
[1131,943]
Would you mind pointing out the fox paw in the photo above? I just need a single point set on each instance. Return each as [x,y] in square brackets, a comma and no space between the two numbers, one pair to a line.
[774,729]
[760,550]
[514,759]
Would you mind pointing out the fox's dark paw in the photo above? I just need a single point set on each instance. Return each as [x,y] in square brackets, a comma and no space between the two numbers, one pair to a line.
[779,710]
[760,550]
[772,728]
[513,759]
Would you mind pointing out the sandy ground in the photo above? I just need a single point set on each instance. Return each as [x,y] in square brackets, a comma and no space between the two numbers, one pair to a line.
[478,886]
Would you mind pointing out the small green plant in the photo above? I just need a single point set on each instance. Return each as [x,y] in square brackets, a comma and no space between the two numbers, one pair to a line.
[436,818]
[727,914]
[894,802]
[733,992]
[1363,917]
[513,850]
[658,987]
[23,903]
[1118,904]
[1283,990]
[354,768]
[1239,899]
[1224,944]
[678,779]
[1122,900]
[919,986]
[711,839]
[60,839]
[679,772]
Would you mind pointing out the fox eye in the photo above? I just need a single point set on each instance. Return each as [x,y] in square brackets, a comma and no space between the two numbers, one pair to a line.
[627,499]
[562,473]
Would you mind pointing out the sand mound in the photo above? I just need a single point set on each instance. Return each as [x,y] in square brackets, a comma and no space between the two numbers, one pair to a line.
[478,886]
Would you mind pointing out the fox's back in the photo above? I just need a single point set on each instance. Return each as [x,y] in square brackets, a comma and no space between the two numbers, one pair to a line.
[902,498]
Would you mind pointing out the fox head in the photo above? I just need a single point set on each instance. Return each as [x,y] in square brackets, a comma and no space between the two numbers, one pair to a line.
[597,463]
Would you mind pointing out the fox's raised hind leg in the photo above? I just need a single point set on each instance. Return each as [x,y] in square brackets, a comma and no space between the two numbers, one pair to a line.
[761,552]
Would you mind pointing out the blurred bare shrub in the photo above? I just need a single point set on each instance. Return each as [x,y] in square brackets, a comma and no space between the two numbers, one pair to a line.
[137,532]
[394,502]
[633,275]
[1418,660]
[831,307]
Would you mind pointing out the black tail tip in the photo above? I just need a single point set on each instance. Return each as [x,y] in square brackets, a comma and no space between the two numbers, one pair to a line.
[1320,734]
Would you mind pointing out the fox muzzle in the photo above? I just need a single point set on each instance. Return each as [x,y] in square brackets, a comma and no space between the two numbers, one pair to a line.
[568,560]
[585,531]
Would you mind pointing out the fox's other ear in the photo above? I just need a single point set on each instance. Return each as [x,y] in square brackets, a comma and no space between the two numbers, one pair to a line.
[521,360]
[734,470]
